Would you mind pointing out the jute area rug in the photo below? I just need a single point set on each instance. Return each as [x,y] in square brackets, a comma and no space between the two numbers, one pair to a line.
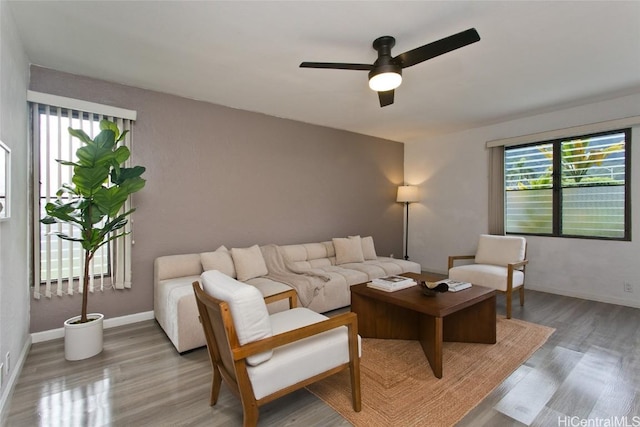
[399,389]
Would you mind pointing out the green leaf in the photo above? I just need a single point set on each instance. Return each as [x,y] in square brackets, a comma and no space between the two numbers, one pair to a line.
[66,163]
[106,139]
[124,133]
[109,125]
[91,155]
[81,135]
[66,237]
[64,212]
[119,177]
[121,155]
[133,185]
[88,180]
[111,200]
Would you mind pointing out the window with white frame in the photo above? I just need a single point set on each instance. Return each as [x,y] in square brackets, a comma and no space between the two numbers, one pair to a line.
[58,263]
[570,187]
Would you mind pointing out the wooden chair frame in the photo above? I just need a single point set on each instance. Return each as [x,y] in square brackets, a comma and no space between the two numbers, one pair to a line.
[510,269]
[228,357]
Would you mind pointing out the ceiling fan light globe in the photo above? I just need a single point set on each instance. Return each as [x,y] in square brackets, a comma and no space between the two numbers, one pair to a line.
[385,81]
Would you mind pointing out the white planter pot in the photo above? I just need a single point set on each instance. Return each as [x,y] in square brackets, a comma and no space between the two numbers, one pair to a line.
[83,340]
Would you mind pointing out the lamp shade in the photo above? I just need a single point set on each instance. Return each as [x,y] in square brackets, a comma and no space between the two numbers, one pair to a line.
[407,194]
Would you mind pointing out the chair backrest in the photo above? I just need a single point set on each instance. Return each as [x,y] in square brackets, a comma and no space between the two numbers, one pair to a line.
[500,250]
[219,332]
[247,308]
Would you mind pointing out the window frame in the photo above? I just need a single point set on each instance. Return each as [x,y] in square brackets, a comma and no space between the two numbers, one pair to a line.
[557,187]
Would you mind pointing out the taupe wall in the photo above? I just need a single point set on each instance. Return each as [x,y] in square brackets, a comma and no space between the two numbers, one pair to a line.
[217,175]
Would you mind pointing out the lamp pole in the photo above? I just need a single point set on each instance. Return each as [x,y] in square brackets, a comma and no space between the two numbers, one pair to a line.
[406,234]
[407,194]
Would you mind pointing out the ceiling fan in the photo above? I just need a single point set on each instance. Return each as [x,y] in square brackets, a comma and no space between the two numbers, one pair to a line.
[385,74]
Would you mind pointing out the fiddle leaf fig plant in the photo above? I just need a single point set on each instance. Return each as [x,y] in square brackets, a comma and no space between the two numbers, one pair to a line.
[93,201]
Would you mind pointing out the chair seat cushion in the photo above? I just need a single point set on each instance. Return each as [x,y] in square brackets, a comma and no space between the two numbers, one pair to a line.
[301,359]
[489,276]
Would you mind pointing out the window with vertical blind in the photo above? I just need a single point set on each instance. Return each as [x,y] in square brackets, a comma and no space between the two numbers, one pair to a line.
[58,263]
[570,187]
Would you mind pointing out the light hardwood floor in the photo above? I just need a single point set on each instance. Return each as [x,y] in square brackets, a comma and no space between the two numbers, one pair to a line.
[589,369]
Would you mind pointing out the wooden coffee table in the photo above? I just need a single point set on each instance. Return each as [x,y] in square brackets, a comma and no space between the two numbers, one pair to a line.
[466,316]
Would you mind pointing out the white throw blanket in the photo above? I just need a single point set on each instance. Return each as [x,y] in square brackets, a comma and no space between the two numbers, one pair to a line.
[306,283]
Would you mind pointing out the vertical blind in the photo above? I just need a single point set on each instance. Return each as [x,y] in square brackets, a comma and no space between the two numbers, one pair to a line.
[59,263]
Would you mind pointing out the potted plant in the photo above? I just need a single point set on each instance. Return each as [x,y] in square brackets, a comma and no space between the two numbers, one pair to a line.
[92,204]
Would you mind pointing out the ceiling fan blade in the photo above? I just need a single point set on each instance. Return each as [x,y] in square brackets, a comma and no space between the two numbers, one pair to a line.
[336,66]
[437,48]
[386,97]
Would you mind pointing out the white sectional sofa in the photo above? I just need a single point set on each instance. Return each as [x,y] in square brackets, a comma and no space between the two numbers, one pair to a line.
[330,268]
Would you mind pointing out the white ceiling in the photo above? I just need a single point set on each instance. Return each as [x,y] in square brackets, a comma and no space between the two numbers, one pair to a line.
[533,56]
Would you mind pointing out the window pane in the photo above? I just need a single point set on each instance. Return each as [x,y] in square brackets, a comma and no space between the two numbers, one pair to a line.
[597,160]
[529,211]
[593,211]
[528,167]
[593,191]
[528,183]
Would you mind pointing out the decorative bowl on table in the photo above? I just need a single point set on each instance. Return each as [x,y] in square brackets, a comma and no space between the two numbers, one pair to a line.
[426,289]
[432,288]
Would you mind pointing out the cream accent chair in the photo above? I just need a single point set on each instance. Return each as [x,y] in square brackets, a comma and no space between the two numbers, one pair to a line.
[262,357]
[499,263]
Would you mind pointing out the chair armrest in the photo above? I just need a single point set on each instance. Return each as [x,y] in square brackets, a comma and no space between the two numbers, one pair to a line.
[350,320]
[453,258]
[516,265]
[291,295]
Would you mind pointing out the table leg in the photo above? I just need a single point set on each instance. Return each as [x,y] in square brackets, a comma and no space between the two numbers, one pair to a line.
[473,324]
[431,342]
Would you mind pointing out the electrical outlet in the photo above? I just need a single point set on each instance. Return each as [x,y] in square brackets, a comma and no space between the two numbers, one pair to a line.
[628,287]
[391,256]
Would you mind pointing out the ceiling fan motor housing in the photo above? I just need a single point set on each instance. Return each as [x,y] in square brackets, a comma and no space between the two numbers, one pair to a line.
[385,62]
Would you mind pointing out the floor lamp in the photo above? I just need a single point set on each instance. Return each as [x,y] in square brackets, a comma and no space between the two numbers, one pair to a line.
[407,194]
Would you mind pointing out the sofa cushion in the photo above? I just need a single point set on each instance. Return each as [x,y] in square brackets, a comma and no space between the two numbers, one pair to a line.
[268,287]
[172,266]
[249,312]
[249,262]
[348,249]
[500,250]
[368,248]
[220,260]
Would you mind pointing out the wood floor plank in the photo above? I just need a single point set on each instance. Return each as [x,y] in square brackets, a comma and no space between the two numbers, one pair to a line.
[527,399]
[140,379]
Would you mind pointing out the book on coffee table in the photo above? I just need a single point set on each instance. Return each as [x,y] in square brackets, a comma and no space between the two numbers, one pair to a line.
[393,288]
[392,281]
[455,285]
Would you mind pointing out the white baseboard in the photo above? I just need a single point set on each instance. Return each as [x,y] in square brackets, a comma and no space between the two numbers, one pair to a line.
[53,334]
[13,379]
[583,295]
